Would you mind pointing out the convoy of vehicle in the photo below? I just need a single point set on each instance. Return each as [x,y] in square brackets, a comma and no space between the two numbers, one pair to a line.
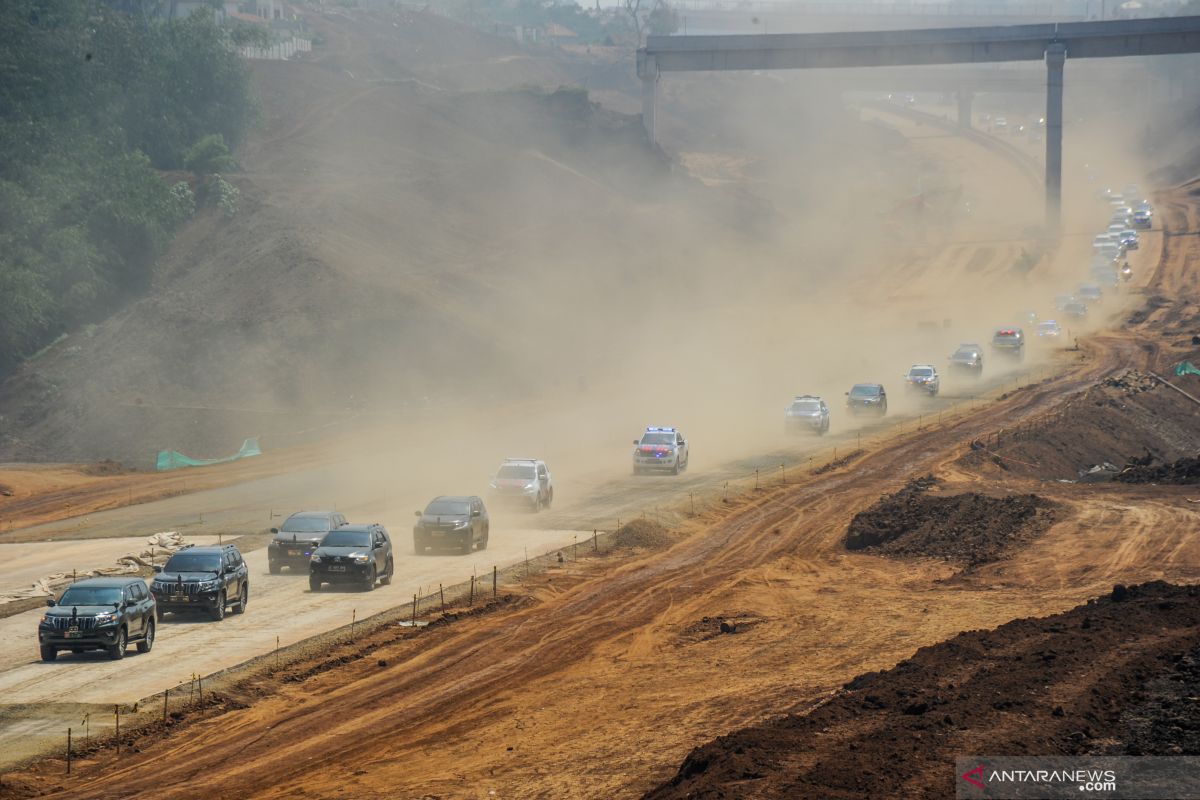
[968,358]
[1009,342]
[923,378]
[867,398]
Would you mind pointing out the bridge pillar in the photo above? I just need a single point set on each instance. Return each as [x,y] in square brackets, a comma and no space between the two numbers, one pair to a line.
[1056,58]
[965,97]
[647,68]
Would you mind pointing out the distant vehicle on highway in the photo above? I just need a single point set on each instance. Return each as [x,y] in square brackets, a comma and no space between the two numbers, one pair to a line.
[1076,310]
[523,481]
[209,579]
[923,378]
[1089,293]
[968,358]
[1116,228]
[356,554]
[297,538]
[1009,342]
[99,614]
[1122,214]
[807,412]
[867,398]
[1143,218]
[458,522]
[660,449]
[1001,123]
[1130,239]
[1050,329]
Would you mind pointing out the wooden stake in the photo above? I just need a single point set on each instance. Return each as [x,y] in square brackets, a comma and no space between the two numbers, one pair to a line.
[471,597]
[117,720]
[495,582]
[442,594]
[68,751]
[166,694]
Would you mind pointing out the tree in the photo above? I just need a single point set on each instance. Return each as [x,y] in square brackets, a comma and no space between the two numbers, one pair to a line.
[662,20]
[208,155]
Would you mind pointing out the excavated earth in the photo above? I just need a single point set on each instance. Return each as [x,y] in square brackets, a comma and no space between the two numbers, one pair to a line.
[1117,676]
[969,528]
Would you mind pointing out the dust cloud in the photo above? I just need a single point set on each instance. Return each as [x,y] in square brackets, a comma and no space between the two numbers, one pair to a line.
[437,269]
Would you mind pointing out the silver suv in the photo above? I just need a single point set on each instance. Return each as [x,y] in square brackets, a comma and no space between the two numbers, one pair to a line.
[923,377]
[807,413]
[523,481]
[659,450]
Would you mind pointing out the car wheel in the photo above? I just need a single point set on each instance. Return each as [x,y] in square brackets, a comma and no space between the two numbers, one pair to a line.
[372,576]
[275,568]
[483,542]
[218,611]
[468,543]
[675,467]
[637,471]
[549,499]
[147,642]
[117,651]
[49,653]
[314,583]
[243,599]
[537,504]
[419,546]
[387,576]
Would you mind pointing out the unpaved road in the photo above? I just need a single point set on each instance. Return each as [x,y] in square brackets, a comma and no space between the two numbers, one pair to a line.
[594,490]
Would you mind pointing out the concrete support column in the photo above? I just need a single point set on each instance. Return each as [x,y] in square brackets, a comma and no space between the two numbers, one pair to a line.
[1056,58]
[964,108]
[648,71]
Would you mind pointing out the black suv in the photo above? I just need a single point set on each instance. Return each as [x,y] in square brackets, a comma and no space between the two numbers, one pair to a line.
[360,554]
[207,579]
[455,522]
[867,398]
[297,538]
[99,614]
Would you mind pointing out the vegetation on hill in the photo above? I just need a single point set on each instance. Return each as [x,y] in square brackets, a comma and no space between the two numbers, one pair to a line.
[93,103]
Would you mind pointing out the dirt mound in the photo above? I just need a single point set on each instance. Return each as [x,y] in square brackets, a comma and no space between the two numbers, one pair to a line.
[1120,416]
[1183,471]
[1030,686]
[970,528]
[643,533]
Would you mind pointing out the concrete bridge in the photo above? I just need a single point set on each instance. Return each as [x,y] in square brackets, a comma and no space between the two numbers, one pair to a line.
[1048,43]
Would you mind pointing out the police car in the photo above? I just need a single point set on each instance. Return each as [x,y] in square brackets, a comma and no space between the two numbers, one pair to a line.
[660,450]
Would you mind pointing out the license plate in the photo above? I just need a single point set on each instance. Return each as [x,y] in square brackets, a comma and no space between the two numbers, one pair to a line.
[337,568]
[179,598]
[294,552]
[74,634]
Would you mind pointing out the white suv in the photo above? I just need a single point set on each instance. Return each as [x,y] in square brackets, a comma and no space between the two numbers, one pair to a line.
[524,481]
[660,449]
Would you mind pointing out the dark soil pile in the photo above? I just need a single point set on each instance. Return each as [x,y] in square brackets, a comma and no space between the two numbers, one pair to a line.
[643,533]
[1032,686]
[1119,417]
[970,528]
[1183,471]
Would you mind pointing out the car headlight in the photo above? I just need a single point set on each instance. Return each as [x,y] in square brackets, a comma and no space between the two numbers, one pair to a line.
[462,523]
[208,586]
[530,488]
[45,619]
[362,558]
[106,619]
[316,559]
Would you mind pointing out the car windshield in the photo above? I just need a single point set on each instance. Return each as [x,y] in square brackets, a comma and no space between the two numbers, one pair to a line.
[344,538]
[193,562]
[920,372]
[1005,336]
[966,352]
[517,471]
[806,407]
[1048,326]
[864,391]
[448,508]
[306,525]
[658,438]
[91,596]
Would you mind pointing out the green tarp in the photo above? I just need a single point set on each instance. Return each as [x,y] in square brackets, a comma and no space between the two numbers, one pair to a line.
[171,459]
[1186,368]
